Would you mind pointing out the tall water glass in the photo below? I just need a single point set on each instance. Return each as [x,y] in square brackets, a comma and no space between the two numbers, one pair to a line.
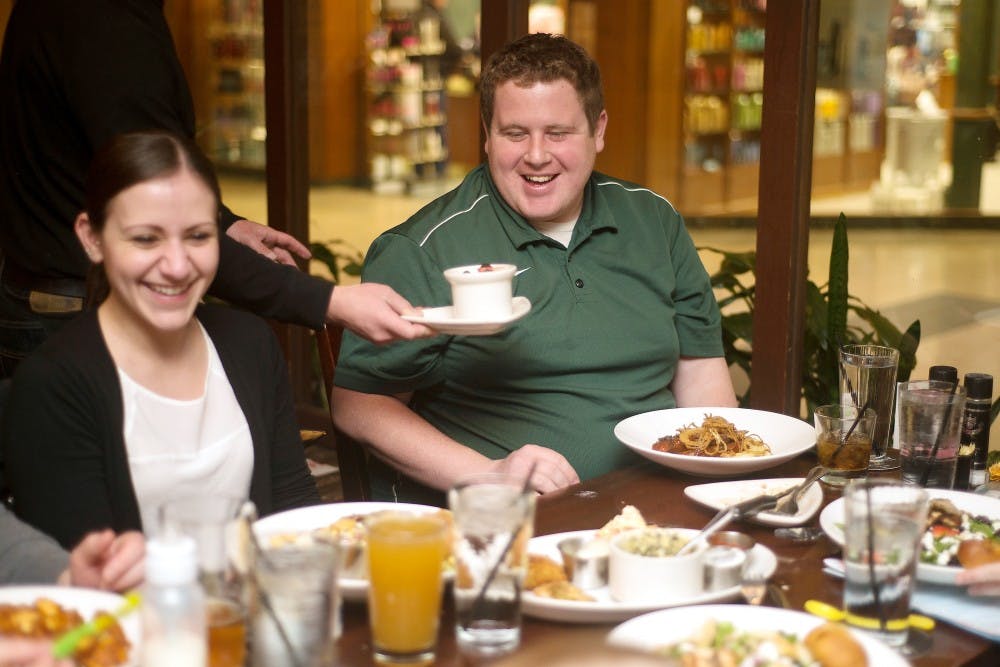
[883,522]
[293,607]
[210,521]
[868,377]
[929,418]
[494,519]
[406,554]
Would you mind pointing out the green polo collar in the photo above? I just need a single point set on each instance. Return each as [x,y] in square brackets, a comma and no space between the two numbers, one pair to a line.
[596,214]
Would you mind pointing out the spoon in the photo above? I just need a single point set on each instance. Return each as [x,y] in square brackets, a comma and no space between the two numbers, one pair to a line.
[718,522]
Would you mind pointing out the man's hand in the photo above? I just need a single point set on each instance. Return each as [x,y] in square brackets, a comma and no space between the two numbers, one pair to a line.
[275,245]
[373,311]
[103,560]
[552,471]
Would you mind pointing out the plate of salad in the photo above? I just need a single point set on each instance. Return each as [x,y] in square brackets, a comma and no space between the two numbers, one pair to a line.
[953,517]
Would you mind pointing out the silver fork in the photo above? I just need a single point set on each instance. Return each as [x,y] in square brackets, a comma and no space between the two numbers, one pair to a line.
[789,504]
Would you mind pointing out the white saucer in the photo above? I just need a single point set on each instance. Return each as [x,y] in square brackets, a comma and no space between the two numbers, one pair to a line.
[443,321]
[723,494]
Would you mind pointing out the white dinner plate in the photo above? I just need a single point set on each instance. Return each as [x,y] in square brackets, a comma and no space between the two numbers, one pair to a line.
[306,519]
[786,436]
[668,626]
[443,321]
[604,609]
[86,602]
[831,520]
[718,495]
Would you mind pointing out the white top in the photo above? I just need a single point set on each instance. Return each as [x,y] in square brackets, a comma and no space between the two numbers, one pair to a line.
[558,231]
[181,448]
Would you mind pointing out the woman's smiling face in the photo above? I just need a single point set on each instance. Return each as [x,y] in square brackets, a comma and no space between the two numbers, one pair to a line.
[541,149]
[160,249]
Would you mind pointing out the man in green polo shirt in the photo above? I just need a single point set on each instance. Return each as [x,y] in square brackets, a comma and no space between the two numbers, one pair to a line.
[622,321]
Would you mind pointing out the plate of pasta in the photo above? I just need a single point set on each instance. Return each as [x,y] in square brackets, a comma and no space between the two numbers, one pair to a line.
[716,442]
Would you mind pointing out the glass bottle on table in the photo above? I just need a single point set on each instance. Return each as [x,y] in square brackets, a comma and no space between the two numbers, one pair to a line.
[976,423]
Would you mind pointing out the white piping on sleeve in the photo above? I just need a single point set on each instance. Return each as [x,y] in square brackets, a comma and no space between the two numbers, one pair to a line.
[655,194]
[435,227]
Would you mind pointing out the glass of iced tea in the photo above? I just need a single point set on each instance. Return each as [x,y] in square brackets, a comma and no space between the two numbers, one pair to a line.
[209,520]
[843,441]
[406,554]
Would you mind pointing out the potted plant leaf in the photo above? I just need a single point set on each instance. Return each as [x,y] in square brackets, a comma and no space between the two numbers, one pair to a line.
[833,318]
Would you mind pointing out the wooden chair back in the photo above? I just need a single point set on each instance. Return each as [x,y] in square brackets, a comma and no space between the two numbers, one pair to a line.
[352,459]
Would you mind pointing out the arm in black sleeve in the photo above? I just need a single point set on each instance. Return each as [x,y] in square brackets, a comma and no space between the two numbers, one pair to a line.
[253,282]
[55,453]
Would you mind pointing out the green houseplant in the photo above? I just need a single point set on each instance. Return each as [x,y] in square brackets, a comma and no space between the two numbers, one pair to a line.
[833,318]
[338,256]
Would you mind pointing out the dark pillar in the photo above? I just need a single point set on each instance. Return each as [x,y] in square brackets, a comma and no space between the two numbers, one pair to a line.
[285,98]
[973,125]
[786,144]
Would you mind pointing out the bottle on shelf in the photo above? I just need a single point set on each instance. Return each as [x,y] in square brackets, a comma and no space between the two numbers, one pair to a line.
[976,422]
[173,606]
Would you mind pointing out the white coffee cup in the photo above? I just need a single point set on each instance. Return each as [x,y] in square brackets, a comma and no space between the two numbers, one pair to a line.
[481,291]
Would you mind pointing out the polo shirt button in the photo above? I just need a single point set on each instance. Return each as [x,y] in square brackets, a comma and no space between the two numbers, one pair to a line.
[578,282]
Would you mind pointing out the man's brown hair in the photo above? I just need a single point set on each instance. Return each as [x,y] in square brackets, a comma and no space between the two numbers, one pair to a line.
[543,58]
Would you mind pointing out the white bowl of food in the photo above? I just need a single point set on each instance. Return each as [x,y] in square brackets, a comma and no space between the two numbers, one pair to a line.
[644,565]
[754,439]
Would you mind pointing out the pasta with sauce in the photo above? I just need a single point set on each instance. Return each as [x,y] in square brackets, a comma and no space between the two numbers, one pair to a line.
[715,437]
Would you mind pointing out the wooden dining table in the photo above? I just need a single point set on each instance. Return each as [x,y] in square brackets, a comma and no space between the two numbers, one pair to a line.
[658,493]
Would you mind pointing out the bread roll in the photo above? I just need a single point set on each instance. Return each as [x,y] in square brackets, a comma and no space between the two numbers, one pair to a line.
[973,553]
[833,646]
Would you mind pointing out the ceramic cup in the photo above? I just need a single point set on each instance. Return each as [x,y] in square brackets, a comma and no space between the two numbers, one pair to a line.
[636,578]
[481,291]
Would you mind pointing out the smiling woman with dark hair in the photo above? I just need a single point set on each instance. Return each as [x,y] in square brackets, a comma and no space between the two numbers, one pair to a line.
[151,395]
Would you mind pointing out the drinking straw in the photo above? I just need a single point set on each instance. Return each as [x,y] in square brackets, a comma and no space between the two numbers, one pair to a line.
[481,596]
[847,379]
[882,620]
[265,599]
[847,436]
[926,477]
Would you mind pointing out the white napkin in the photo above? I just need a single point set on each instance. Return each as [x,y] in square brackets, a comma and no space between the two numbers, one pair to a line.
[977,614]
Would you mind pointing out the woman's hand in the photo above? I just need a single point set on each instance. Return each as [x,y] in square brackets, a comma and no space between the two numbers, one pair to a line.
[108,561]
[982,580]
[28,653]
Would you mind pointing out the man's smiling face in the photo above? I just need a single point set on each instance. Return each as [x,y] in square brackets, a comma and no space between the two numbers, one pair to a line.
[541,149]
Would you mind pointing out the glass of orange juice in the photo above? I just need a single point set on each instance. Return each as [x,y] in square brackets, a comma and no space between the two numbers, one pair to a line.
[406,553]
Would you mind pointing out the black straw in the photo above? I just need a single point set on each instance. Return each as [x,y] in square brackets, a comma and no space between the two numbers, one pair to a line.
[847,379]
[861,413]
[940,434]
[882,621]
[481,596]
